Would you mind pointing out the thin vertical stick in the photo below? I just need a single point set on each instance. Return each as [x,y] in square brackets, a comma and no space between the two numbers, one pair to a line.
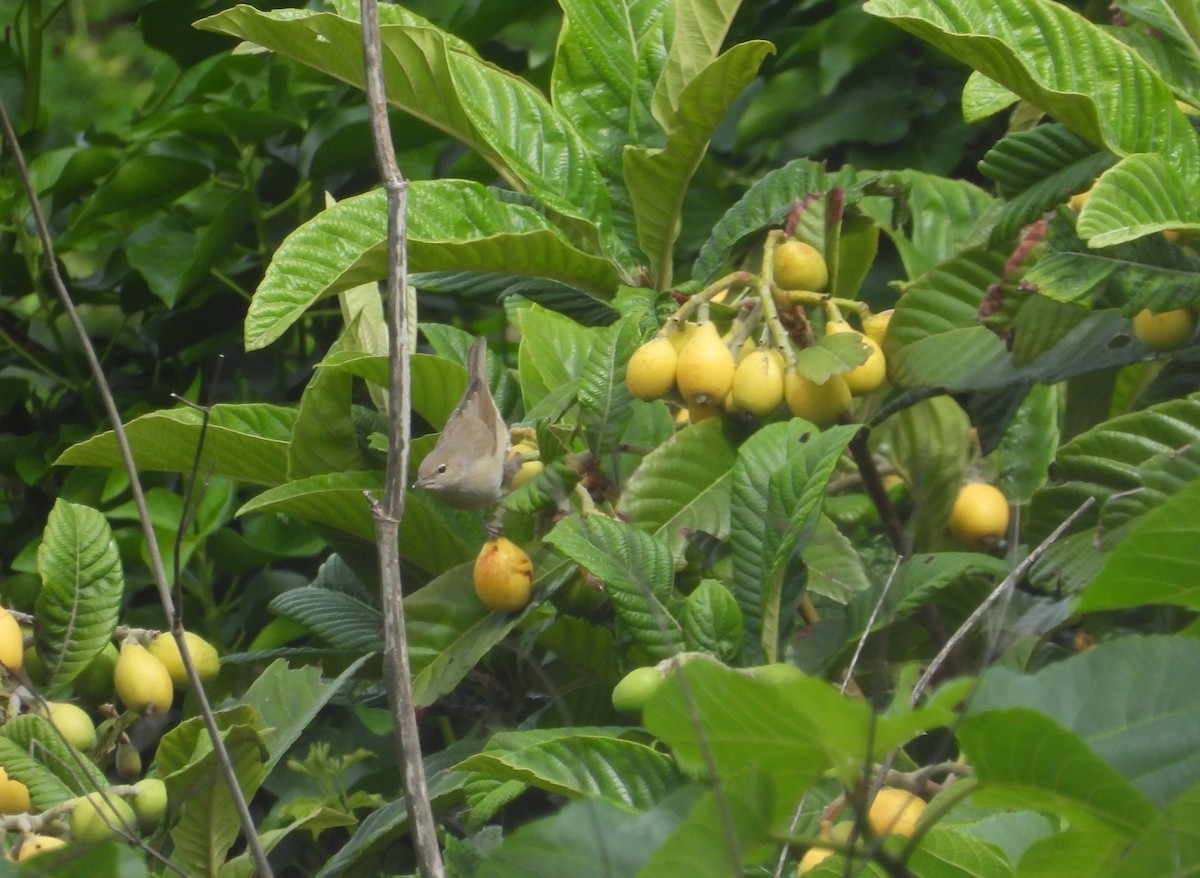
[388,513]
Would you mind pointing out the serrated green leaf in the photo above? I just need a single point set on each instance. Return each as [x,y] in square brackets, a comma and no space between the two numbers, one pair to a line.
[1172,43]
[337,500]
[501,116]
[33,753]
[324,439]
[712,621]
[340,619]
[835,568]
[83,587]
[777,486]
[605,405]
[1141,194]
[696,34]
[578,762]
[1162,477]
[637,572]
[244,442]
[657,178]
[1144,726]
[1059,775]
[832,355]
[1158,562]
[453,225]
[683,485]
[1055,58]
[553,351]
[983,97]
[1029,445]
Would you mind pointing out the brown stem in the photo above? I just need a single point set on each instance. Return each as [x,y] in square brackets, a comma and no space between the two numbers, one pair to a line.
[388,513]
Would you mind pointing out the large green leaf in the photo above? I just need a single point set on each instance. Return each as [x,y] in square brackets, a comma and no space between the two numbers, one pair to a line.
[1172,45]
[324,438]
[553,352]
[83,588]
[1140,195]
[1055,58]
[578,762]
[1158,561]
[1024,759]
[338,500]
[609,56]
[452,225]
[638,575]
[697,31]
[51,769]
[428,73]
[46,789]
[657,177]
[1129,699]
[777,486]
[1170,845]
[244,442]
[605,406]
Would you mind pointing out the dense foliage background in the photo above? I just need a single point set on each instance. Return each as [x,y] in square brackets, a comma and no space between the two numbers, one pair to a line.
[208,179]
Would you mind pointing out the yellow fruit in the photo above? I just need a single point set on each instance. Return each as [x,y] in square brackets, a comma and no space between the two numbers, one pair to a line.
[758,383]
[149,802]
[503,575]
[895,812]
[679,335]
[820,403]
[650,373]
[74,724]
[204,657]
[813,857]
[704,371]
[14,795]
[1166,331]
[32,845]
[697,413]
[866,377]
[1079,199]
[635,688]
[979,517]
[89,814]
[876,325]
[12,647]
[142,681]
[800,266]
[526,473]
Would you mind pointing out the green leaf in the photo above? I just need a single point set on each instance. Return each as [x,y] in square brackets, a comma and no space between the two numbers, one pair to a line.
[553,352]
[578,762]
[344,621]
[835,568]
[605,405]
[777,486]
[682,485]
[657,177]
[1158,562]
[637,572]
[427,73]
[146,180]
[698,31]
[33,753]
[1056,59]
[1058,775]
[832,355]
[324,438]
[1146,726]
[207,825]
[946,851]
[1029,444]
[586,839]
[1140,195]
[1172,43]
[449,630]
[246,443]
[608,58]
[453,225]
[286,700]
[337,500]
[83,588]
[1170,844]
[712,621]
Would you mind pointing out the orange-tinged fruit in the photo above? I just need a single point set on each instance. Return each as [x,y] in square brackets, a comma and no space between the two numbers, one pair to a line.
[895,812]
[503,575]
[867,377]
[90,813]
[142,681]
[758,383]
[630,695]
[650,372]
[704,371]
[204,656]
[800,266]
[1166,331]
[12,646]
[876,325]
[820,403]
[74,724]
[32,845]
[14,795]
[979,517]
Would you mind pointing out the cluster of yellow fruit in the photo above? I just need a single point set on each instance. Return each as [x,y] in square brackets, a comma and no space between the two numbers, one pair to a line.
[144,678]
[893,812]
[712,378]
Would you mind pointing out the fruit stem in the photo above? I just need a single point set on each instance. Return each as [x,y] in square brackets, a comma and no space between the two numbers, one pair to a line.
[767,297]
[684,311]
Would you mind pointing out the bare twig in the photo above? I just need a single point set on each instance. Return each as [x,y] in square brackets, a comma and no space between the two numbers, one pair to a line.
[157,570]
[388,513]
[862,641]
[1009,581]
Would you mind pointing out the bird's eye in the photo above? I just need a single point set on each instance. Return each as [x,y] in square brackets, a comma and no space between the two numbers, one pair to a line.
[441,469]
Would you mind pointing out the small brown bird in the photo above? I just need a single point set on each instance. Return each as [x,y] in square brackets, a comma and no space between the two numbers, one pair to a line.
[466,468]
